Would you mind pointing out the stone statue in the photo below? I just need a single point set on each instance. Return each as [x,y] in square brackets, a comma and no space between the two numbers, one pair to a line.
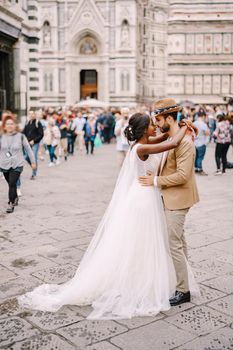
[47,35]
[125,42]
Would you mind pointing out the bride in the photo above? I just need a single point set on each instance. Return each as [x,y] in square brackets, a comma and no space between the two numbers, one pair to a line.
[127,269]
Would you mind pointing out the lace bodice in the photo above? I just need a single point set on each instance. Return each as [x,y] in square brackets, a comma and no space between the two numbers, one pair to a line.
[141,167]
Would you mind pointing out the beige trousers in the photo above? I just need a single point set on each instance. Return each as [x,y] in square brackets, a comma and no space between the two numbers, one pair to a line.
[175,224]
[64,146]
[80,140]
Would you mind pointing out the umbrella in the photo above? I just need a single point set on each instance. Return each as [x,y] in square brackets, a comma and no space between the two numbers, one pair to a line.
[187,103]
[92,103]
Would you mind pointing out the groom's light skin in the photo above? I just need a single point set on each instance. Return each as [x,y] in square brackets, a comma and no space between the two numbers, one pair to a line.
[168,125]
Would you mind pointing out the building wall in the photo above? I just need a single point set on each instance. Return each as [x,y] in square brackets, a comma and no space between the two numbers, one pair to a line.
[200,50]
[145,50]
[18,25]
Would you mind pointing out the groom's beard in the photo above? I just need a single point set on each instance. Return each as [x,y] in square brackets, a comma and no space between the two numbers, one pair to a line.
[165,128]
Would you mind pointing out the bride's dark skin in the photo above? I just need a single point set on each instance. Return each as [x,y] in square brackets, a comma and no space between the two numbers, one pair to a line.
[151,144]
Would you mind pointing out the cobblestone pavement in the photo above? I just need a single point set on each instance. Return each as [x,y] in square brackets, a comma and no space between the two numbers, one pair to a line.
[44,240]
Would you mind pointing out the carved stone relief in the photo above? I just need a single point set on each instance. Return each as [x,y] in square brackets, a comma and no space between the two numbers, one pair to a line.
[216,84]
[226,43]
[225,84]
[207,85]
[190,43]
[208,43]
[217,43]
[198,84]
[199,44]
[189,84]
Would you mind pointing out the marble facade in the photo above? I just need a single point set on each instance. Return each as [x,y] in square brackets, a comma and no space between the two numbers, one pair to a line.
[141,50]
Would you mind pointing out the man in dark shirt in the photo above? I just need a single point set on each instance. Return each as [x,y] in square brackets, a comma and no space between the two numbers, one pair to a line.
[33,131]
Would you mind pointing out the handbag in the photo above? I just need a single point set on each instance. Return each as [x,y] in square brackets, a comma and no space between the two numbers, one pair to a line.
[97,142]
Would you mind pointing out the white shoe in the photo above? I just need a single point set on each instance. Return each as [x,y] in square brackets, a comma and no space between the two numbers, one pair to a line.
[57,162]
[51,164]
[218,172]
[19,193]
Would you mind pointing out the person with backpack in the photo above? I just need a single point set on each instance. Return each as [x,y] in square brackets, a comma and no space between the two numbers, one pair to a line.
[12,146]
[34,133]
[71,133]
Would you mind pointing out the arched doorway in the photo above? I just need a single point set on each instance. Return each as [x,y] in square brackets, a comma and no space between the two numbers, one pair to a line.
[88,84]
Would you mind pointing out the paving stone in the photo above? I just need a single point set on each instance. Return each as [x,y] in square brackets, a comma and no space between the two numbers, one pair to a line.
[220,340]
[226,246]
[136,322]
[222,283]
[225,257]
[63,235]
[43,342]
[200,320]
[66,256]
[202,275]
[207,294]
[201,239]
[27,264]
[175,309]
[104,345]
[88,332]
[214,266]
[10,307]
[201,253]
[15,329]
[6,274]
[81,310]
[57,274]
[17,286]
[53,320]
[224,305]
[158,335]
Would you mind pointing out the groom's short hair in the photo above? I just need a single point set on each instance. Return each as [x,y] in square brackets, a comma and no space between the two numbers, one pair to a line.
[173,115]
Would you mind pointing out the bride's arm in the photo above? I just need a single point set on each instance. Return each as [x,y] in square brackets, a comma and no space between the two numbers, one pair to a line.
[158,139]
[146,149]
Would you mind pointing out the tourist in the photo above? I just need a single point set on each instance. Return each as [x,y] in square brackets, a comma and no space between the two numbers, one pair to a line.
[71,135]
[61,123]
[52,138]
[222,136]
[122,144]
[12,145]
[211,121]
[108,123]
[79,122]
[34,133]
[90,133]
[200,142]
[42,148]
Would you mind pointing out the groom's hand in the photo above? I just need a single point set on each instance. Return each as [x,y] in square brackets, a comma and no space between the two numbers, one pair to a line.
[147,180]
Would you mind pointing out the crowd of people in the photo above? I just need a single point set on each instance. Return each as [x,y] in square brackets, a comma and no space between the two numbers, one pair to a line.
[58,133]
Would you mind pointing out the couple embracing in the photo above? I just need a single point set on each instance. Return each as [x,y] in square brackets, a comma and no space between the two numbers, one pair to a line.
[136,263]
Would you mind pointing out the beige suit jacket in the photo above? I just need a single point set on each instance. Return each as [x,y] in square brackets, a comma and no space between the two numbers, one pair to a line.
[177,178]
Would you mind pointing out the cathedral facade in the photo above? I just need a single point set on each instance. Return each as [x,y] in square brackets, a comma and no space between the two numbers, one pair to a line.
[127,52]
[101,49]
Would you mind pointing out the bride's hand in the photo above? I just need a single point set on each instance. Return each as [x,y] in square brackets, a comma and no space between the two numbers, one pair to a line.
[191,127]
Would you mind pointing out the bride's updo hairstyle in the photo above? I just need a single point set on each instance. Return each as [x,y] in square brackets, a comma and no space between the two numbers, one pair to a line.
[138,124]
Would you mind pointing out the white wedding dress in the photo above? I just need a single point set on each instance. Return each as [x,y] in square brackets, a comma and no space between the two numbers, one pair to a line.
[127,269]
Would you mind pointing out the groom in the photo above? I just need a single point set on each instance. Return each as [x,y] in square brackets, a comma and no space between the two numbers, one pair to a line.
[176,180]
